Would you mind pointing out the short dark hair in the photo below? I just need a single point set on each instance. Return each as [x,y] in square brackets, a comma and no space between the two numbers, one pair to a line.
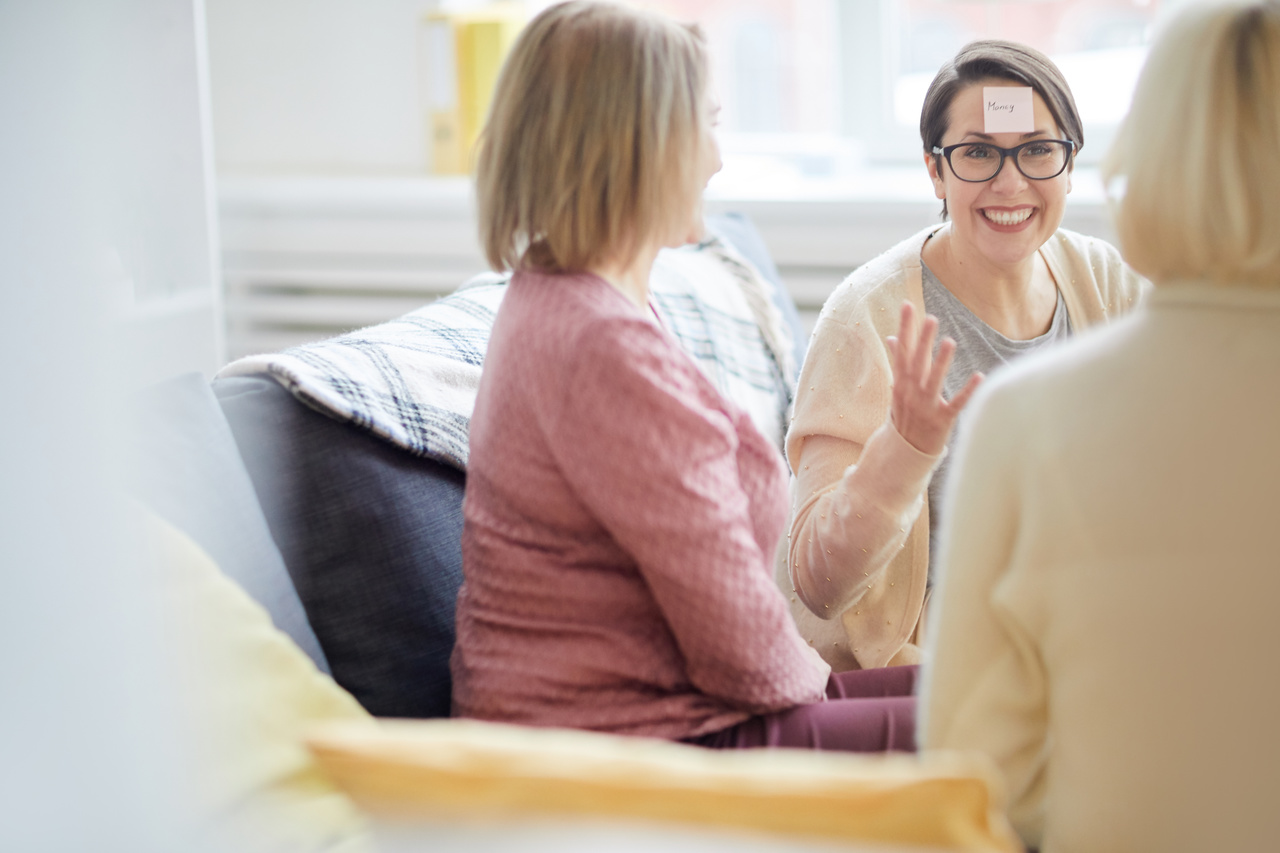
[1006,60]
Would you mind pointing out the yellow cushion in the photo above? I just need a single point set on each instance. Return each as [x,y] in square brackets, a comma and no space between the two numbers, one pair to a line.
[247,695]
[449,768]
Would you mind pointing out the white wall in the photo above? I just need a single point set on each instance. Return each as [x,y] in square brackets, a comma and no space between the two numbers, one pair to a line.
[317,87]
[103,210]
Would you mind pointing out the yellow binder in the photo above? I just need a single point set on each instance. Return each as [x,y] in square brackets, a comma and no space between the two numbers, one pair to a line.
[463,53]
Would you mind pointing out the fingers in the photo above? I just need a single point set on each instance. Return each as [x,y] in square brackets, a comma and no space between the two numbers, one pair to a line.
[941,364]
[912,350]
[915,365]
[923,354]
[960,400]
[906,340]
[919,411]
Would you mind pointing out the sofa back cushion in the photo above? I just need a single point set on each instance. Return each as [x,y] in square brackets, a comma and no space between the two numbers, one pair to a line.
[372,538]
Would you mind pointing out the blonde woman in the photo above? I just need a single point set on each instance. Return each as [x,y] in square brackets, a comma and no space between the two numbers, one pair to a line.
[999,279]
[620,513]
[1106,607]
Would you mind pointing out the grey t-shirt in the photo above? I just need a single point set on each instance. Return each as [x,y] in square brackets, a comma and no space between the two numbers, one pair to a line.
[979,348]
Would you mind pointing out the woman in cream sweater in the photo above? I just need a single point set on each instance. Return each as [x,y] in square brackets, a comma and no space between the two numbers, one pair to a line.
[1002,279]
[1106,602]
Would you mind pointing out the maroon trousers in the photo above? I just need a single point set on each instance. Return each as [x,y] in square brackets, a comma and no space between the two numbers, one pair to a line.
[867,710]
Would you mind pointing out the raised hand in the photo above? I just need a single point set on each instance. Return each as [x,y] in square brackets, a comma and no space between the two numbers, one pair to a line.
[919,412]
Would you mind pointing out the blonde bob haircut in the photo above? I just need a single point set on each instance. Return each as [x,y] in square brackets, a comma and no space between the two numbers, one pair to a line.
[589,148]
[1196,166]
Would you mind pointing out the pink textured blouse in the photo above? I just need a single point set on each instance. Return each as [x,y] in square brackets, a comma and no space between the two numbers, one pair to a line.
[620,523]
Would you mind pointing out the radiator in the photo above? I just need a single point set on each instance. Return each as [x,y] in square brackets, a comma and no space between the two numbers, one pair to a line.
[305,259]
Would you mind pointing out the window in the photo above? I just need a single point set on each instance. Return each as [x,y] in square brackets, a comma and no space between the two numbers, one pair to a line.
[775,62]
[1098,44]
[827,85]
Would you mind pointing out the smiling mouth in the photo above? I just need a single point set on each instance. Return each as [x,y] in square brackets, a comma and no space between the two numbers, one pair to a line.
[1009,217]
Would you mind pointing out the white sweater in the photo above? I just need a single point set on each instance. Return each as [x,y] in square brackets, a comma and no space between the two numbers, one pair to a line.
[1106,604]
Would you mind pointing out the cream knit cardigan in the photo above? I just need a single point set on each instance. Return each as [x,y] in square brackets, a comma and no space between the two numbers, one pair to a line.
[858,552]
[1104,620]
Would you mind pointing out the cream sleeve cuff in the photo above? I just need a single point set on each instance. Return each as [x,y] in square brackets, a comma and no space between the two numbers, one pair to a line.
[892,474]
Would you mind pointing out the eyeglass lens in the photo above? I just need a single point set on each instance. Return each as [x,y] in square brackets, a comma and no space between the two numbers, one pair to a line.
[980,162]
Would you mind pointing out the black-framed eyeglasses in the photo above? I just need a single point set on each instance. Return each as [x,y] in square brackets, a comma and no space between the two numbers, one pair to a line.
[1039,159]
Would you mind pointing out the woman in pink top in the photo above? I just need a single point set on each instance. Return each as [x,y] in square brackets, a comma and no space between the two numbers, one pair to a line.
[621,517]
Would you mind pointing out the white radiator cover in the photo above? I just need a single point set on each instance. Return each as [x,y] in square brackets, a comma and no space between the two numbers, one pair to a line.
[308,258]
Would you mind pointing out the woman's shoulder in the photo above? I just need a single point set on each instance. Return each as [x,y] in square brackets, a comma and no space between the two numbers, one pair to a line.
[1090,254]
[568,311]
[847,357]
[568,341]
[1084,258]
[551,326]
[1071,245]
[592,330]
[879,285]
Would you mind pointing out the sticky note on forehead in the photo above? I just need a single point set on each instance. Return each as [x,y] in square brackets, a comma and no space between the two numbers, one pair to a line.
[1007,109]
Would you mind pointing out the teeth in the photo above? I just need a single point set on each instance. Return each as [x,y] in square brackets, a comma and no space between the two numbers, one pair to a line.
[1008,217]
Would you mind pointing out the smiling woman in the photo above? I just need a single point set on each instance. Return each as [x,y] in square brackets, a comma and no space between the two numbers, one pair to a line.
[873,417]
[1000,216]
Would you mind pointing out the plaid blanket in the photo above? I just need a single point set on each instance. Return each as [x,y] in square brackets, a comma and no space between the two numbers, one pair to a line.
[412,381]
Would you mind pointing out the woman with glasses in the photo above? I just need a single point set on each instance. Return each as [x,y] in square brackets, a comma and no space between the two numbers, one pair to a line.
[873,418]
[1106,607]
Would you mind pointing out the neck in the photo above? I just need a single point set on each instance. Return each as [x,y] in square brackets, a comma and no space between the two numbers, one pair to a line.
[1015,299]
[630,277]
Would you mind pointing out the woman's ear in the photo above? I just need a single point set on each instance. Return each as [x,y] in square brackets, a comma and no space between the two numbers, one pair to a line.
[933,162]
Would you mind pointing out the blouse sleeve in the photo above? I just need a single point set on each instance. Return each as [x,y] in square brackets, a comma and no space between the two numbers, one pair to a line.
[860,486]
[984,685]
[641,441]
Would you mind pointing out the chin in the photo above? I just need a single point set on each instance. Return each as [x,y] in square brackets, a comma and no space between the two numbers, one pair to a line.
[1011,248]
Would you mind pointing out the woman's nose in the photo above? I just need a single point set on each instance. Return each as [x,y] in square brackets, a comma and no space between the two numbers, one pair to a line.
[1008,179]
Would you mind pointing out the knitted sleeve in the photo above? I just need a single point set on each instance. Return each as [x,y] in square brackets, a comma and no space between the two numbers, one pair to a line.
[858,547]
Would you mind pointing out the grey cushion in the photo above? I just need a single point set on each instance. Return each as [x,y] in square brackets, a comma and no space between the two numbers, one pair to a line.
[372,538]
[190,473]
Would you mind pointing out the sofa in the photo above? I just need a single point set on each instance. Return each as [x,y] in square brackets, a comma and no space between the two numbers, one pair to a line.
[349,542]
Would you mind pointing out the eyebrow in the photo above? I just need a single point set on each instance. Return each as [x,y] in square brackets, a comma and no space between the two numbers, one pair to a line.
[1033,134]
